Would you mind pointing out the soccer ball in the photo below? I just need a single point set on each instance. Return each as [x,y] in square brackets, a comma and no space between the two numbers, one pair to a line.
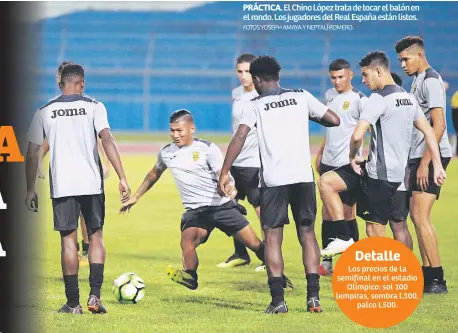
[129,288]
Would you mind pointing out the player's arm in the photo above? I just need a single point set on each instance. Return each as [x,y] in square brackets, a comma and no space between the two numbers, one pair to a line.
[431,139]
[319,155]
[319,113]
[357,137]
[35,138]
[329,119]
[111,149]
[438,126]
[434,93]
[41,155]
[234,149]
[150,179]
[104,158]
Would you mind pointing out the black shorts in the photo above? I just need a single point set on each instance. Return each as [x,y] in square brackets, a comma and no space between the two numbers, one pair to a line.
[374,196]
[275,201]
[348,197]
[400,208]
[247,184]
[225,218]
[432,187]
[67,210]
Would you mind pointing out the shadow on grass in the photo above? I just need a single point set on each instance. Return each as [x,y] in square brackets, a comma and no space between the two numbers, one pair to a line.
[213,301]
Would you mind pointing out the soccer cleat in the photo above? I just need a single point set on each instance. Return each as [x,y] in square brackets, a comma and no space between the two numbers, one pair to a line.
[275,309]
[337,246]
[181,277]
[436,287]
[94,304]
[67,309]
[287,283]
[234,261]
[260,268]
[313,305]
[325,269]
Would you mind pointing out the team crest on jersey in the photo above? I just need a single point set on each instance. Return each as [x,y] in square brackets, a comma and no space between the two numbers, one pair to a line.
[346,105]
[195,156]
[414,89]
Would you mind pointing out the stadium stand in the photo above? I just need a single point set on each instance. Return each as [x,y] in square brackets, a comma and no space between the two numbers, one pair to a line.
[146,64]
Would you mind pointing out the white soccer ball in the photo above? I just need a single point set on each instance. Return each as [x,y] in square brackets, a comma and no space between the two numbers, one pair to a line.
[129,288]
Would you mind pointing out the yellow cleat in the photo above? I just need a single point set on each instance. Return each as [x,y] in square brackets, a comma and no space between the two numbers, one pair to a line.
[181,277]
[234,261]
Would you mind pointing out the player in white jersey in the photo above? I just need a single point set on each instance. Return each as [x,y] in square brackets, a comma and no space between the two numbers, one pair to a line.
[83,257]
[347,102]
[281,117]
[391,114]
[71,124]
[429,91]
[195,165]
[246,168]
[400,210]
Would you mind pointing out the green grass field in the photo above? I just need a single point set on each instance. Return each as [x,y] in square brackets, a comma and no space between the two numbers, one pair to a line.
[147,240]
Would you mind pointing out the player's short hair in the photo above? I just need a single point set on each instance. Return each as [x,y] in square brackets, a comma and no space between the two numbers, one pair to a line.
[407,42]
[62,65]
[178,114]
[266,68]
[339,64]
[246,57]
[71,71]
[397,79]
[375,58]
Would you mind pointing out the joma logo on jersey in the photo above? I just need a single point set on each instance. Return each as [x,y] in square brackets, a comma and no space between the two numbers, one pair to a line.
[403,102]
[68,112]
[281,104]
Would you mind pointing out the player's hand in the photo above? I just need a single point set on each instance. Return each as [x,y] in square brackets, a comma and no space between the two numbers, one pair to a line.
[31,201]
[439,175]
[226,187]
[126,206]
[422,177]
[124,190]
[356,165]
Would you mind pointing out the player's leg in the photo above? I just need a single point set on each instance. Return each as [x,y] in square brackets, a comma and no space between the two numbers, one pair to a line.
[274,215]
[93,210]
[421,204]
[302,197]
[65,211]
[196,227]
[84,242]
[349,203]
[398,219]
[254,198]
[330,185]
[240,256]
[420,213]
[374,229]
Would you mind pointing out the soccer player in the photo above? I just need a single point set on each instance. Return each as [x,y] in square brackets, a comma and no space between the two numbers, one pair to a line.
[429,91]
[400,209]
[71,124]
[195,165]
[83,257]
[390,113]
[335,150]
[281,117]
[246,168]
